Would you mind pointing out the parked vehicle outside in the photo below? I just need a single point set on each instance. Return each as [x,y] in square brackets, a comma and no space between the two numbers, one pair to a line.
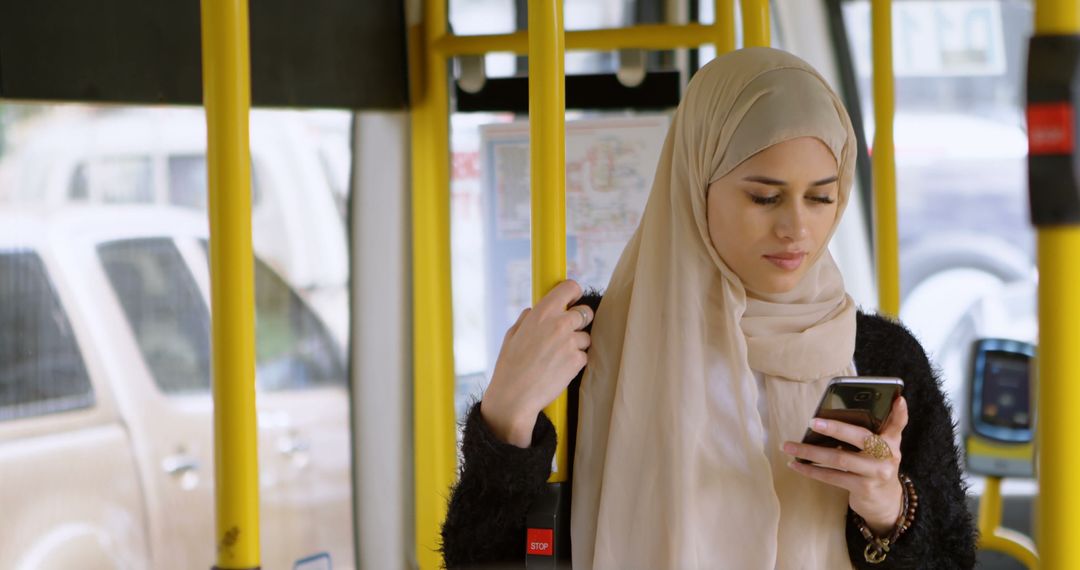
[91,156]
[106,443]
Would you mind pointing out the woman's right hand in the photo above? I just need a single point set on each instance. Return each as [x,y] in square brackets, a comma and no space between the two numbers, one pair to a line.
[541,354]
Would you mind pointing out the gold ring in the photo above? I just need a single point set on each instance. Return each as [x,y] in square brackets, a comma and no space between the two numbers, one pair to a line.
[876,447]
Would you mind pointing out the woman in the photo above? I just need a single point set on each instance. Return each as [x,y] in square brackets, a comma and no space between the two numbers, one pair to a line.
[723,322]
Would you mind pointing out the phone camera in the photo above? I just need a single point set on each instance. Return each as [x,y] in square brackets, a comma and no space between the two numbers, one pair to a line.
[864,396]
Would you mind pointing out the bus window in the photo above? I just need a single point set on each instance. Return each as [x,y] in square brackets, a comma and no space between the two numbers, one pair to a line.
[961,153]
[967,267]
[104,317]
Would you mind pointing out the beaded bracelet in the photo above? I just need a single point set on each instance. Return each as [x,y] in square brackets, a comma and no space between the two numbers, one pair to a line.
[878,548]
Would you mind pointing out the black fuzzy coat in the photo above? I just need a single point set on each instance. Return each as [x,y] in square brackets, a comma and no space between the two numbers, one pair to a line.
[485,525]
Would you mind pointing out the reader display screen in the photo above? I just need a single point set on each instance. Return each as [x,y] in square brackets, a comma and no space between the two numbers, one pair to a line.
[1006,390]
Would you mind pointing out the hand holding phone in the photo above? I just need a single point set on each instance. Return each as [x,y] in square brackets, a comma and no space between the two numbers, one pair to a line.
[852,408]
[864,401]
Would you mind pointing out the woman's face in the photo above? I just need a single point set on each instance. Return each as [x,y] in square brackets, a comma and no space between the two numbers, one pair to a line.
[772,214]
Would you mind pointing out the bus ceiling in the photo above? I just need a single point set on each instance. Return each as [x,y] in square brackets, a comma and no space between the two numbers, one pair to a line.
[349,55]
[345,54]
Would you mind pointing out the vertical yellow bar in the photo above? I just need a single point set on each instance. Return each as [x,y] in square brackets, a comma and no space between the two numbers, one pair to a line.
[227,97]
[990,508]
[725,25]
[434,442]
[547,156]
[1058,362]
[1059,391]
[1053,17]
[993,537]
[755,19]
[884,162]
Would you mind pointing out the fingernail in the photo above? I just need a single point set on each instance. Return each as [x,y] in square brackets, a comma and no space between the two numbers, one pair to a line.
[819,425]
[789,448]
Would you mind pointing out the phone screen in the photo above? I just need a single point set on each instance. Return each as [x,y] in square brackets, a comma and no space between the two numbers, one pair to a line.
[864,402]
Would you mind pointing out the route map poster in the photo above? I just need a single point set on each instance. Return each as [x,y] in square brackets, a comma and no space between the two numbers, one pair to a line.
[610,163]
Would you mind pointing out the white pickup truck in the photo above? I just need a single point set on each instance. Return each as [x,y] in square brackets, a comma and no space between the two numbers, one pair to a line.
[106,449]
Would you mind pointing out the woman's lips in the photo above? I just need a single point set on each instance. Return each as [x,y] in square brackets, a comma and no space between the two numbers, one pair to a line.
[786,261]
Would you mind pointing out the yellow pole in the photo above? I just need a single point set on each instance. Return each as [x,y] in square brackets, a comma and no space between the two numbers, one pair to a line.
[990,508]
[646,36]
[993,537]
[755,18]
[547,156]
[1058,365]
[434,443]
[884,162]
[725,25]
[227,97]
[1058,368]
[1056,17]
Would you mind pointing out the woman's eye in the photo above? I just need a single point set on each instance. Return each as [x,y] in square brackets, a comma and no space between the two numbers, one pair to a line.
[822,199]
[765,200]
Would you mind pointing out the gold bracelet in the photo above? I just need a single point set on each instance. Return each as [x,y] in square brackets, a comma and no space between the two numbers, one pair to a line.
[878,548]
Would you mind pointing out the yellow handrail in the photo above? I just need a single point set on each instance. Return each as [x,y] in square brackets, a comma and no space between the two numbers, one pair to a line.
[645,36]
[884,162]
[547,155]
[1057,17]
[993,537]
[227,97]
[1058,364]
[756,27]
[434,448]
[1058,371]
[724,33]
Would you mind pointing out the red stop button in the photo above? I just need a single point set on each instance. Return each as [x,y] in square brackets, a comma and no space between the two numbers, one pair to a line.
[540,542]
[1050,128]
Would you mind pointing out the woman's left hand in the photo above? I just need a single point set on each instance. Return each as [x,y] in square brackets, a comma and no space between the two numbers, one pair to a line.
[874,486]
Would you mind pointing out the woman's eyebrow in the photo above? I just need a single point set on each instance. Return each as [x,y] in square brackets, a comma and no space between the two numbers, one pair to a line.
[774,182]
[826,181]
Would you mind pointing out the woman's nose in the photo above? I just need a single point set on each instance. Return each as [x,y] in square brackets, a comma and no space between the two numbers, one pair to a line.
[791,224]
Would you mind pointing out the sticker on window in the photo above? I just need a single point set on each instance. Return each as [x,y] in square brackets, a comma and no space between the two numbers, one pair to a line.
[316,562]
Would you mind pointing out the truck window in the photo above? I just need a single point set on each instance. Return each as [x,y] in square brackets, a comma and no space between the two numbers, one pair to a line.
[165,310]
[114,180]
[188,181]
[41,368]
[293,349]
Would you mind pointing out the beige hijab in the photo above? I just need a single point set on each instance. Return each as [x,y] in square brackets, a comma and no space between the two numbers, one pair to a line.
[671,470]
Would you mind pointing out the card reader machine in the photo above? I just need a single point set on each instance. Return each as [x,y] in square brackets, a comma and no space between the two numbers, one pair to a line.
[999,438]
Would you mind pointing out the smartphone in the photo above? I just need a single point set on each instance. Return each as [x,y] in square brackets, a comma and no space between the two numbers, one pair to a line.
[864,401]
